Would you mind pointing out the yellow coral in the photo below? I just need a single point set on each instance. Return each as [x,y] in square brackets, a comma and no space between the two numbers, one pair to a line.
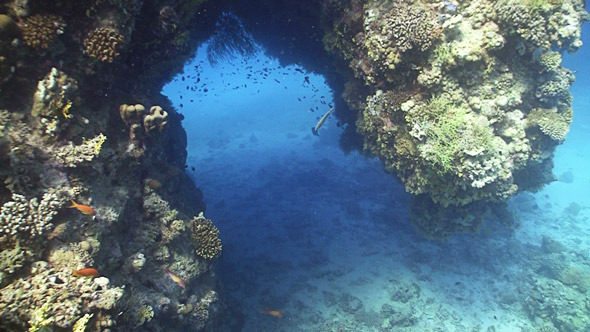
[39,318]
[65,111]
[80,325]
[97,147]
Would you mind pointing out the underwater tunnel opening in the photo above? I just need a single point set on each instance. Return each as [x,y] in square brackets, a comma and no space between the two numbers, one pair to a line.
[245,116]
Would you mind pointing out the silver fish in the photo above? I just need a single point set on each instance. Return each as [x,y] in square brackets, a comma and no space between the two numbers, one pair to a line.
[315,129]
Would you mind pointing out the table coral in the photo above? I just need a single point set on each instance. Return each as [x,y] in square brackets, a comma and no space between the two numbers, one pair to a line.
[552,123]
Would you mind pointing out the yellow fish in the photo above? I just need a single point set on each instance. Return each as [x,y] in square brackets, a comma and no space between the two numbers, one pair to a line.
[176,278]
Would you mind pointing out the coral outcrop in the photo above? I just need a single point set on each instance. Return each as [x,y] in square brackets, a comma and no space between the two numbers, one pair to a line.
[459,99]
[22,217]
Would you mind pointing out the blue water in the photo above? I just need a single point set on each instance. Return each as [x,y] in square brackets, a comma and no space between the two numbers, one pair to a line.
[325,237]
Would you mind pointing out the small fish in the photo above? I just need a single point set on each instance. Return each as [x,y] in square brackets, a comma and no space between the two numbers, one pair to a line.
[85,272]
[176,278]
[85,209]
[274,313]
[321,121]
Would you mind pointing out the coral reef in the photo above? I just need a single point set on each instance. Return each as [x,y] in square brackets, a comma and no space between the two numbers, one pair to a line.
[39,31]
[61,140]
[103,44]
[206,235]
[464,101]
[28,217]
[156,120]
[459,99]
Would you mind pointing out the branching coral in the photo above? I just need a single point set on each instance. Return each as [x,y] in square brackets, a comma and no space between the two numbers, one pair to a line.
[31,217]
[39,31]
[103,44]
[206,237]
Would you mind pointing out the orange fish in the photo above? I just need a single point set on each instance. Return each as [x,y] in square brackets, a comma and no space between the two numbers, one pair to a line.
[85,272]
[274,313]
[82,208]
[176,278]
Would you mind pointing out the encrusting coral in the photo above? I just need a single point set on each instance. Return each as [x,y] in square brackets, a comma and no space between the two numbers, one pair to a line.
[71,155]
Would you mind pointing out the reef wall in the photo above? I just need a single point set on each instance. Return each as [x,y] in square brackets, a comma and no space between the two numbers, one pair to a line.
[82,119]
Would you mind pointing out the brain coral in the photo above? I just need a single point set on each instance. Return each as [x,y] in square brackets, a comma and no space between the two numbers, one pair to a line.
[206,237]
